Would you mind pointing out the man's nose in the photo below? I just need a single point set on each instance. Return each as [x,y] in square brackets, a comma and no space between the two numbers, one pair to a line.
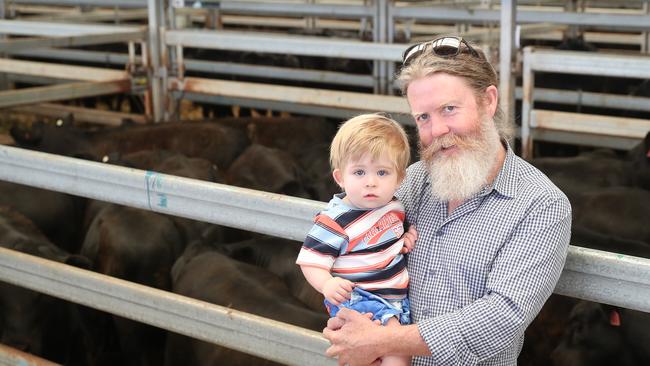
[439,129]
[432,131]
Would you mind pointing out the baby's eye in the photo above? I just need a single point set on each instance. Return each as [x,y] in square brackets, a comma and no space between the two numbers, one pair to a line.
[382,172]
[359,172]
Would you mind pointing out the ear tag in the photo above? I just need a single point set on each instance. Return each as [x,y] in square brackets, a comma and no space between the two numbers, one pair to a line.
[614,319]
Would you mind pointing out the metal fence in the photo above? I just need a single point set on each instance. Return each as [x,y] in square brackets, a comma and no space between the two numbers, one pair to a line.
[588,274]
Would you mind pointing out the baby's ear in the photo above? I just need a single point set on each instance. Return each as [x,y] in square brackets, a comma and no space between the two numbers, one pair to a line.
[338,177]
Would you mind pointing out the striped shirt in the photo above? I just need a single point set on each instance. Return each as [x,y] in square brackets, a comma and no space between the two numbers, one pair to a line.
[360,245]
[480,275]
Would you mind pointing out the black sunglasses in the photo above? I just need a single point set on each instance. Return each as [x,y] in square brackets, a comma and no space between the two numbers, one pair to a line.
[445,47]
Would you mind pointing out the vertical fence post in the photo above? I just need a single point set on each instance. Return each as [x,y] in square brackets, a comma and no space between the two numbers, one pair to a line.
[157,72]
[645,35]
[506,53]
[381,37]
[4,82]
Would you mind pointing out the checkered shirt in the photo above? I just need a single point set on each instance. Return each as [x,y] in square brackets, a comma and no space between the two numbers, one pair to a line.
[480,275]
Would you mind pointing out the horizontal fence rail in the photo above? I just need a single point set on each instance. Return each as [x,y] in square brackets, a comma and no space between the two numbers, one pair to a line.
[280,215]
[284,44]
[234,329]
[268,213]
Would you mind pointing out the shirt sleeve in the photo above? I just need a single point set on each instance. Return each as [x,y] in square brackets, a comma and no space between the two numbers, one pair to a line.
[323,243]
[523,276]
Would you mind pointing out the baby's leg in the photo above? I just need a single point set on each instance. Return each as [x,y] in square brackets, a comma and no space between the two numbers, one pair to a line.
[395,360]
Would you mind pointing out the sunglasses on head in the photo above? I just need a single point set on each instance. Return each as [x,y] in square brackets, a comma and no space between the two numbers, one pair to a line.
[445,47]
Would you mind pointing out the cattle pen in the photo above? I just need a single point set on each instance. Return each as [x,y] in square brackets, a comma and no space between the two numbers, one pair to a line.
[159,67]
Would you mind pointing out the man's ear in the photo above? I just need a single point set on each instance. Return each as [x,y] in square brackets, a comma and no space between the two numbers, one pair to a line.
[338,177]
[491,100]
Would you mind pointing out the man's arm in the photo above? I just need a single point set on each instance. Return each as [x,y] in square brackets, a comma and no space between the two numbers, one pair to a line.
[523,276]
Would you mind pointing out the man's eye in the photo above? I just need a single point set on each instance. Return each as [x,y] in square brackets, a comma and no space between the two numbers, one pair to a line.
[448,108]
[422,118]
[358,172]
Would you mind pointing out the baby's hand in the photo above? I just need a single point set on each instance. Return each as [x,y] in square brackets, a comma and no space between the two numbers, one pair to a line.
[337,290]
[409,240]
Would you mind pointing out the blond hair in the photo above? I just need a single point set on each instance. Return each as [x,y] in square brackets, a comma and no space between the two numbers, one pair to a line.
[477,72]
[373,134]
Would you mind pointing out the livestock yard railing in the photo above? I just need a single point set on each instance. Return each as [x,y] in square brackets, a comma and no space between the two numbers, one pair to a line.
[588,274]
[590,129]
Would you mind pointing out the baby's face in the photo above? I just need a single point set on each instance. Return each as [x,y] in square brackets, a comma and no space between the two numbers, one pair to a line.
[368,183]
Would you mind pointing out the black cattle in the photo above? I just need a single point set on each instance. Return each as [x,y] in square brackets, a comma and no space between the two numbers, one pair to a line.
[206,274]
[30,321]
[315,166]
[57,215]
[138,246]
[574,175]
[543,334]
[599,334]
[639,159]
[278,256]
[620,212]
[60,138]
[598,169]
[267,169]
[213,142]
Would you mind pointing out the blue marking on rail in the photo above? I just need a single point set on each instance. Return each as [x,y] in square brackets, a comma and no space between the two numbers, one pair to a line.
[154,181]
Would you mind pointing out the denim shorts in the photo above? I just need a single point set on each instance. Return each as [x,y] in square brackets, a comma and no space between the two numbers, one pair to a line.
[381,309]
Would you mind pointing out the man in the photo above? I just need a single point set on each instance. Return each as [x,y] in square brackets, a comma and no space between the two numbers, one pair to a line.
[493,231]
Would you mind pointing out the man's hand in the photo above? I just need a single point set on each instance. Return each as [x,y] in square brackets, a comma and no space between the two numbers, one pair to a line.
[337,290]
[409,240]
[352,337]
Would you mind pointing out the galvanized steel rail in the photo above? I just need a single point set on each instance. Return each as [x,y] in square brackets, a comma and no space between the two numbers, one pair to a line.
[278,215]
[234,329]
[268,213]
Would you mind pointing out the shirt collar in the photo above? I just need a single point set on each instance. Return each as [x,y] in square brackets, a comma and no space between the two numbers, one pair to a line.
[506,181]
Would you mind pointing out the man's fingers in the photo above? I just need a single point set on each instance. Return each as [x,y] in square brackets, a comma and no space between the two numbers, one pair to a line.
[332,351]
[333,324]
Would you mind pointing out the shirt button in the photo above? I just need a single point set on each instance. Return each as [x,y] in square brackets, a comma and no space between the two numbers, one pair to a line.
[440,232]
[432,273]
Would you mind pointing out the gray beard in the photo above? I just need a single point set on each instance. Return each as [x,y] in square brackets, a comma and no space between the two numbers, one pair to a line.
[460,177]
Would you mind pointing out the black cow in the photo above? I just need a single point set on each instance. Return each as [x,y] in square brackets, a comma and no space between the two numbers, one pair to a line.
[620,212]
[543,334]
[604,335]
[213,142]
[57,215]
[138,246]
[598,169]
[168,162]
[639,159]
[268,169]
[31,321]
[206,274]
[278,256]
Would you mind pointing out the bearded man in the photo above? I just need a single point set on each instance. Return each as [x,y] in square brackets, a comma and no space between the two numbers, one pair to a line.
[493,231]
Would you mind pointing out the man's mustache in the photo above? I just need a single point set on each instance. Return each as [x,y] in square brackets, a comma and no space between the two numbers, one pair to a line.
[466,142]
